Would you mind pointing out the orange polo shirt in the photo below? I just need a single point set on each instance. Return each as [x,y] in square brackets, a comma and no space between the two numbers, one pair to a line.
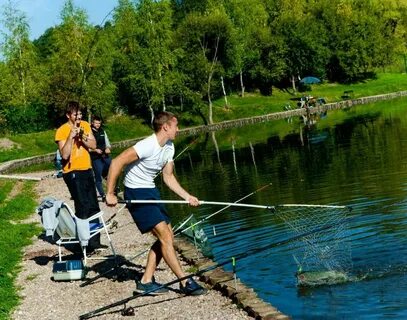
[80,158]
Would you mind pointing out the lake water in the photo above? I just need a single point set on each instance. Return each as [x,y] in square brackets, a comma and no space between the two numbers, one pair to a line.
[355,158]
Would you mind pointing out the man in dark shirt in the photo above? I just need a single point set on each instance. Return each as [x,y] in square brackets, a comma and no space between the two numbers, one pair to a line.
[100,155]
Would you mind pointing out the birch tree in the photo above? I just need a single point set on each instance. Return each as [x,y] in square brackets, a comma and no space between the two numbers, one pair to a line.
[21,80]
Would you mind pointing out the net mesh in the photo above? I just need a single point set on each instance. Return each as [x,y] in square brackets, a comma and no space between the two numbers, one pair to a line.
[324,245]
[196,234]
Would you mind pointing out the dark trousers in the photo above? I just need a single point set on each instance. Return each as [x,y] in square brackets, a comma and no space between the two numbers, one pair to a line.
[101,168]
[81,185]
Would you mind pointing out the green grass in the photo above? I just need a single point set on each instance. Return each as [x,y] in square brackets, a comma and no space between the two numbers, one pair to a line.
[5,188]
[122,127]
[14,236]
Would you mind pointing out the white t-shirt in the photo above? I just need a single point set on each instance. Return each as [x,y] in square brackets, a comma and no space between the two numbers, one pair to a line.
[152,158]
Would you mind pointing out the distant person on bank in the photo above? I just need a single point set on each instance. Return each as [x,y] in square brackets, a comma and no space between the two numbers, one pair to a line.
[100,155]
[143,162]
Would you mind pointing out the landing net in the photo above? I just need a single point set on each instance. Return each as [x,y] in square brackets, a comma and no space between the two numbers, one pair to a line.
[194,231]
[324,246]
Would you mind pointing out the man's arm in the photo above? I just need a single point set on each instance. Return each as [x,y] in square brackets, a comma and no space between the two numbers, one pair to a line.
[171,181]
[65,146]
[126,157]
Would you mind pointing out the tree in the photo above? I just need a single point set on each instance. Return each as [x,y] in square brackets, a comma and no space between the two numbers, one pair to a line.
[145,68]
[21,81]
[249,17]
[361,38]
[208,50]
[80,69]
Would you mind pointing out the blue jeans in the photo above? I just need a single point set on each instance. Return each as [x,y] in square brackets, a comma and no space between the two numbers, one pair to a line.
[101,168]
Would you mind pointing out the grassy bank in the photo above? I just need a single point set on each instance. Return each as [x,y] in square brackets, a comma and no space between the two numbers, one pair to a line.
[17,202]
[252,104]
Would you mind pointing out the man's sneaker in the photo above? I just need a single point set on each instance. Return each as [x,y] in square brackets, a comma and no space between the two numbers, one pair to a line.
[192,288]
[150,286]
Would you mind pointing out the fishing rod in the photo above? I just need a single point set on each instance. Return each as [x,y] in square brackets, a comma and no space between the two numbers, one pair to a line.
[88,71]
[177,232]
[201,202]
[207,269]
[224,208]
[230,204]
[179,154]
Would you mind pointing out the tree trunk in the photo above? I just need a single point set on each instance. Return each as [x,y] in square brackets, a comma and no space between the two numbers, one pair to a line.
[151,113]
[241,83]
[293,83]
[211,72]
[224,91]
[22,76]
[210,106]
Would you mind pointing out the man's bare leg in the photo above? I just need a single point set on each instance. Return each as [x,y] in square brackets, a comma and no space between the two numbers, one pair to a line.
[153,260]
[165,237]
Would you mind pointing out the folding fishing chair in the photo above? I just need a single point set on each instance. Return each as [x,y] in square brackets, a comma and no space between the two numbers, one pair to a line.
[71,230]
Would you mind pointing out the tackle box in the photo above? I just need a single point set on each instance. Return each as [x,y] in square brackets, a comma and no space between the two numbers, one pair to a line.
[68,270]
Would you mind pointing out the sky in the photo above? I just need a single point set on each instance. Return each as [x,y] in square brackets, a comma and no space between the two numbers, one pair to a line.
[43,14]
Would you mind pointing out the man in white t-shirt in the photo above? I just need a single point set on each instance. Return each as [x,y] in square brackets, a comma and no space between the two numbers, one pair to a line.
[143,162]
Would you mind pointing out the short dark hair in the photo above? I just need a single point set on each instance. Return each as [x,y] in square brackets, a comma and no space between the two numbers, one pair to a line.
[96,118]
[72,106]
[160,118]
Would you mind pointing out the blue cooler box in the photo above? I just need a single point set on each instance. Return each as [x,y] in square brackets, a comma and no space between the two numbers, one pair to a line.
[68,270]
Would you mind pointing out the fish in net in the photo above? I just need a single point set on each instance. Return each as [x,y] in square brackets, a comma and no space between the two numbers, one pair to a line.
[323,255]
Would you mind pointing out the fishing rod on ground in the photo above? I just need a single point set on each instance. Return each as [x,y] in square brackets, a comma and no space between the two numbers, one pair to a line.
[176,233]
[200,272]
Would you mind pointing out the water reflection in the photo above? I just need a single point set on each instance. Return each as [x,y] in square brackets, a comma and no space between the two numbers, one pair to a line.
[360,162]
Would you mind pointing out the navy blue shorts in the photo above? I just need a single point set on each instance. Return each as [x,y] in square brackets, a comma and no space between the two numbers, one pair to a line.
[146,216]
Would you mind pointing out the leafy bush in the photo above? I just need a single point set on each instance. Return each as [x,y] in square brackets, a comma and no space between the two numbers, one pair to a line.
[34,117]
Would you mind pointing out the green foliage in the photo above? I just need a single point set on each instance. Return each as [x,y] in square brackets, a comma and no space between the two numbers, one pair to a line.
[5,188]
[15,118]
[22,81]
[173,55]
[121,128]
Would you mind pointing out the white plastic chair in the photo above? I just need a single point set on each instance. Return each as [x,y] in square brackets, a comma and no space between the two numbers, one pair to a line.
[70,231]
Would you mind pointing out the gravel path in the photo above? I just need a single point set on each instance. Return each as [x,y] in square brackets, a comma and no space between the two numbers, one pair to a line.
[43,298]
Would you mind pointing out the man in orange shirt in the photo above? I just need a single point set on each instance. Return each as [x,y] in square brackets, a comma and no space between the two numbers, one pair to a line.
[74,139]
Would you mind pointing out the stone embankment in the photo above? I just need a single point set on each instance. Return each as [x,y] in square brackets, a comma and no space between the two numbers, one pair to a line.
[225,282]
